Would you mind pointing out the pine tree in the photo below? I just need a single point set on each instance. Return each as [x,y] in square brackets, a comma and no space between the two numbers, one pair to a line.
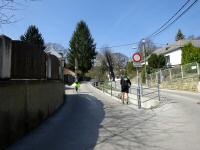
[82,48]
[179,35]
[33,36]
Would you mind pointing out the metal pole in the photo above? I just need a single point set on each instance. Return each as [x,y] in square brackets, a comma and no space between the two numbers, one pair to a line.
[141,90]
[198,69]
[181,71]
[103,87]
[170,74]
[138,89]
[158,91]
[145,68]
[111,88]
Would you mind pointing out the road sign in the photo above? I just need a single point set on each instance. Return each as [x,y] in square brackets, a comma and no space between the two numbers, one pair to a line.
[137,65]
[137,57]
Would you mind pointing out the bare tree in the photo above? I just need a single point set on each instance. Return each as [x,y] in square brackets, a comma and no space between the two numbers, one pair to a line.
[8,9]
[108,62]
[148,45]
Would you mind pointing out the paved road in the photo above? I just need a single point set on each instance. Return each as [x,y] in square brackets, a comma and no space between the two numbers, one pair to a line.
[92,120]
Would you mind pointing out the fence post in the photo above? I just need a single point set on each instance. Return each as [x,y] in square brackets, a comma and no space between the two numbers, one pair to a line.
[103,87]
[181,71]
[138,89]
[139,97]
[111,88]
[198,69]
[141,90]
[170,74]
[158,91]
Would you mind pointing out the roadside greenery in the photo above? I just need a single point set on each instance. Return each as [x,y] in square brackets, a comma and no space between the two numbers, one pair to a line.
[130,69]
[190,54]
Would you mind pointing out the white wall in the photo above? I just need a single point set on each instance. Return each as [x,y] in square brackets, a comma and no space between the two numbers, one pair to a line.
[175,57]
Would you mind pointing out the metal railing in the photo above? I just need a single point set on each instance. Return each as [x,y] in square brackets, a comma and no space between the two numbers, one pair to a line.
[191,70]
[140,94]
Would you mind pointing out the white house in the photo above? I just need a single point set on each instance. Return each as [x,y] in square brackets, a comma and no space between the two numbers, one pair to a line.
[173,52]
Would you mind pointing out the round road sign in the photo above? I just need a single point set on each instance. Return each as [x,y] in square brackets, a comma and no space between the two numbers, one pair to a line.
[137,57]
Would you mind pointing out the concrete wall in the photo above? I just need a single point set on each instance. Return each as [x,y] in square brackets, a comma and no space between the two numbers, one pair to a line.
[19,60]
[24,104]
[5,57]
[28,61]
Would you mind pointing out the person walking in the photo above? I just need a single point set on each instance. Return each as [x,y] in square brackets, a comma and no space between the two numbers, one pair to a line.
[77,86]
[125,85]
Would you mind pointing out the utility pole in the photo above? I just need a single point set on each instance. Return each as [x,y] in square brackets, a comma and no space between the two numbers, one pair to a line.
[145,66]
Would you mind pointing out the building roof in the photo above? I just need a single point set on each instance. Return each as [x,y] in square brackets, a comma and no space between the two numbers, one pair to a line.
[178,45]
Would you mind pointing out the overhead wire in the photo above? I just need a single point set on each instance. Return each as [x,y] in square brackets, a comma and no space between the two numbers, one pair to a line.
[170,18]
[178,17]
[163,27]
[114,46]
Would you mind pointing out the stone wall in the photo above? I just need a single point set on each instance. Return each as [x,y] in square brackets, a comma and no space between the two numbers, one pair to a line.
[24,104]
[188,84]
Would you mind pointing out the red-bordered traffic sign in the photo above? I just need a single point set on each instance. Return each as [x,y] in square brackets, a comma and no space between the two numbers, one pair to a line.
[137,57]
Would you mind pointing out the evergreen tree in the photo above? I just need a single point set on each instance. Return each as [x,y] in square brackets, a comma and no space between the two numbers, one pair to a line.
[156,61]
[153,61]
[179,35]
[161,61]
[82,48]
[33,36]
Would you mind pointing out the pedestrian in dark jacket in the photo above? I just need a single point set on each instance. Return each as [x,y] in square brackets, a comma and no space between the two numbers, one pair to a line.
[125,85]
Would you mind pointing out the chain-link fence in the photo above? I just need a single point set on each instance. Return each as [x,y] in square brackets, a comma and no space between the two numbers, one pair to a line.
[191,70]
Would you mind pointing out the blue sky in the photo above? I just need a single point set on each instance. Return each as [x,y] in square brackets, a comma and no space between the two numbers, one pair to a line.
[112,22]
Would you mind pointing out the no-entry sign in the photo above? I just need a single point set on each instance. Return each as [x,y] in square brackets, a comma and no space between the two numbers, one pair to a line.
[137,57]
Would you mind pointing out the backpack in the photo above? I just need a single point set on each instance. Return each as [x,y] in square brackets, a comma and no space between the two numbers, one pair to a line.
[125,81]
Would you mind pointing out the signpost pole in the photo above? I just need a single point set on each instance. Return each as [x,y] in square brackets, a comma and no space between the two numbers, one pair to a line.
[137,63]
[138,89]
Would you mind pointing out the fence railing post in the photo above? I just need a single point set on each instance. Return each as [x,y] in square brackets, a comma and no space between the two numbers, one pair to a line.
[170,74]
[198,69]
[141,90]
[139,97]
[103,87]
[181,71]
[111,88]
[158,91]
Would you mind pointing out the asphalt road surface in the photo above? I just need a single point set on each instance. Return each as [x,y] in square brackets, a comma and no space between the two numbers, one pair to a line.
[93,120]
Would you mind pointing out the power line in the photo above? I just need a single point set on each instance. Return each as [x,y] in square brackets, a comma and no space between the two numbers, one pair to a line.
[185,11]
[158,31]
[122,45]
[170,18]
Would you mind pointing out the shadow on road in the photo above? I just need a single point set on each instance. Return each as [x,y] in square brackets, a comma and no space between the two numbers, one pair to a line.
[132,129]
[75,126]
